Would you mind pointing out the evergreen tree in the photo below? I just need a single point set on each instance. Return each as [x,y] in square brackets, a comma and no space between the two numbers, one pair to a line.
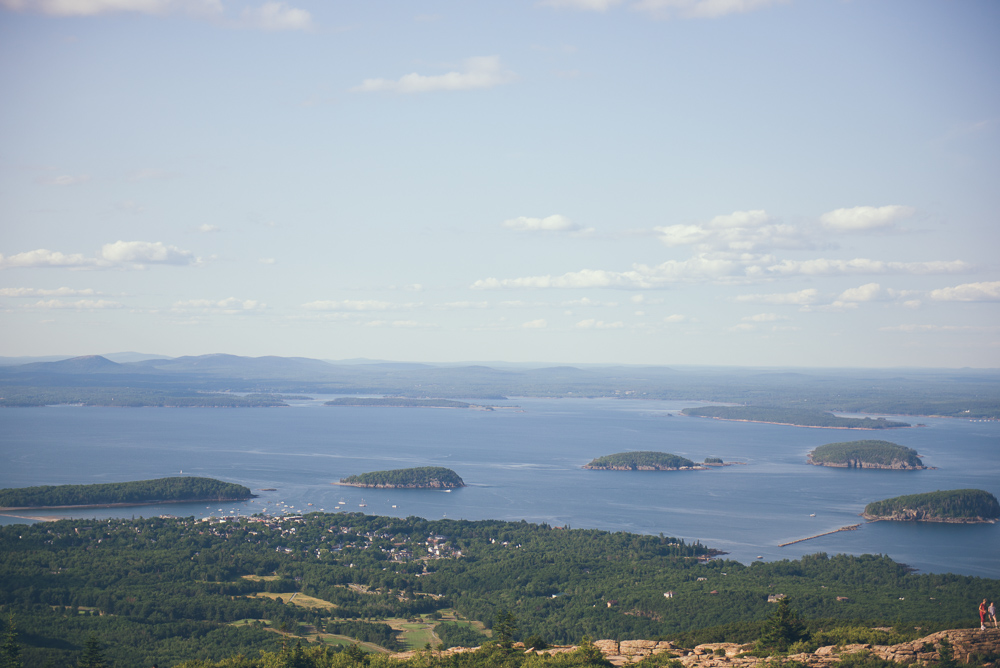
[10,650]
[781,630]
[93,656]
[504,628]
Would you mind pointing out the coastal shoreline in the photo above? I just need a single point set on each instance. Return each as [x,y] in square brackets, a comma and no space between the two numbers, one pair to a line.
[4,510]
[936,520]
[357,484]
[804,426]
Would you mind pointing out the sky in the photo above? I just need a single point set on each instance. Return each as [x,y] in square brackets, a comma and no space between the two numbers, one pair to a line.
[810,183]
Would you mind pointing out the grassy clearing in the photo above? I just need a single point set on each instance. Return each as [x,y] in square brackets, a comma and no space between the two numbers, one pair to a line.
[415,635]
[295,598]
[262,578]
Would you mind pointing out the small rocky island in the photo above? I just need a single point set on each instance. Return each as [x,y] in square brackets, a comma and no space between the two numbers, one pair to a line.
[643,461]
[959,506]
[423,477]
[867,454]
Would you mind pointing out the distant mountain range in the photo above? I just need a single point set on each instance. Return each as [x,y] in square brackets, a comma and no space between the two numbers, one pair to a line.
[972,393]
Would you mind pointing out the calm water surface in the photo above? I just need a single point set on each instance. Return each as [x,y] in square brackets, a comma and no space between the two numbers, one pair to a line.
[526,464]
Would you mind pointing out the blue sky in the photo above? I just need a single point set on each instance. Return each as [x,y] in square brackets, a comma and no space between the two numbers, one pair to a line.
[751,182]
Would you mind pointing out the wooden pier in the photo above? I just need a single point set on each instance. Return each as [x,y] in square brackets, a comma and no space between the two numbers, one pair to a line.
[853,527]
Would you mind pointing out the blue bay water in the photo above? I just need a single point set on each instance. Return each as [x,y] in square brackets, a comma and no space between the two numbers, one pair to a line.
[526,464]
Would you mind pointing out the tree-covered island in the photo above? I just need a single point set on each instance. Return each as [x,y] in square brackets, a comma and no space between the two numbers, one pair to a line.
[139,492]
[642,461]
[960,506]
[798,417]
[867,454]
[423,477]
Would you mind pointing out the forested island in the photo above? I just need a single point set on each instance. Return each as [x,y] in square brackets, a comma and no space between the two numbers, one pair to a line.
[961,506]
[867,454]
[423,477]
[642,461]
[139,492]
[798,417]
[402,402]
[164,591]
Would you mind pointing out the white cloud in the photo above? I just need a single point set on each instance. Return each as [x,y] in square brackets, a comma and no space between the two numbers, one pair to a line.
[458,306]
[94,7]
[738,231]
[699,268]
[702,9]
[398,324]
[590,323]
[586,301]
[229,305]
[865,293]
[862,218]
[969,292]
[43,257]
[205,228]
[140,253]
[800,298]
[535,324]
[148,174]
[676,317]
[267,260]
[356,305]
[765,317]
[479,72]
[276,16]
[826,267]
[586,5]
[936,328]
[42,292]
[64,179]
[554,223]
[80,304]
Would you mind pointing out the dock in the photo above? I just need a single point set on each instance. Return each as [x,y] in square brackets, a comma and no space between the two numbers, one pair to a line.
[853,527]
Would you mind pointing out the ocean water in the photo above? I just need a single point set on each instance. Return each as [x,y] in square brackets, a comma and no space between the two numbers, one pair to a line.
[525,463]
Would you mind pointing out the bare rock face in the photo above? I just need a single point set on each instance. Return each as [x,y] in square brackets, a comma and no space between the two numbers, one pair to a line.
[966,643]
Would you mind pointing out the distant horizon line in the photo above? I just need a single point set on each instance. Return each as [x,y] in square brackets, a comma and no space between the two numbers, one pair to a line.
[125,357]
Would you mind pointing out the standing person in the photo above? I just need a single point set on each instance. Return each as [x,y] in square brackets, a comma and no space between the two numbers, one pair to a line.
[993,613]
[982,615]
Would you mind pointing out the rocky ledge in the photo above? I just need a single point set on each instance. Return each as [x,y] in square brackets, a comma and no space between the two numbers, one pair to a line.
[918,515]
[861,464]
[966,643]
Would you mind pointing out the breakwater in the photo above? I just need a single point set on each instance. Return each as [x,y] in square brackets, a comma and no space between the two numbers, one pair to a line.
[853,527]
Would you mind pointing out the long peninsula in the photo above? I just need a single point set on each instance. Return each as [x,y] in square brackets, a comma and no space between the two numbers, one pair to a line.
[796,417]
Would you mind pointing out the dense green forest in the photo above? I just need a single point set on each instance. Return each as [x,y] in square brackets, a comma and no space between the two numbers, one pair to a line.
[958,504]
[186,488]
[866,454]
[419,477]
[167,590]
[641,460]
[794,416]
[398,402]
